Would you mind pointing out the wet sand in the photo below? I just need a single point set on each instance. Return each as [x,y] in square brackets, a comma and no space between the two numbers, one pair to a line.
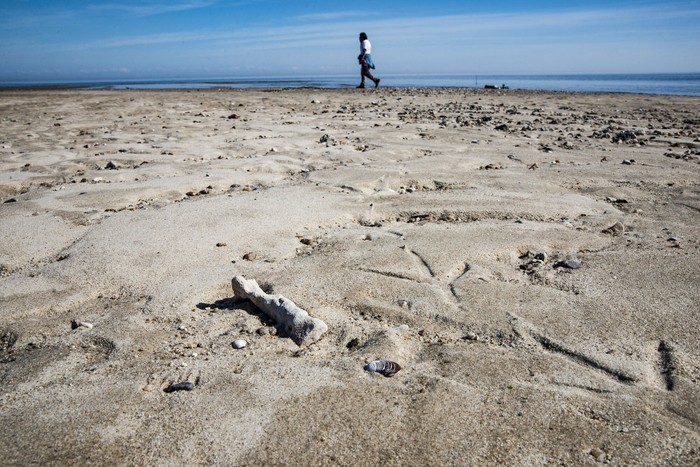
[529,259]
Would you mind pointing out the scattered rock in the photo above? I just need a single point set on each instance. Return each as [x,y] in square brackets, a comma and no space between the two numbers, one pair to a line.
[266,331]
[471,336]
[610,199]
[626,136]
[183,386]
[533,166]
[534,261]
[629,162]
[327,139]
[111,166]
[598,454]
[221,244]
[249,256]
[615,230]
[420,218]
[568,264]
[239,344]
[673,241]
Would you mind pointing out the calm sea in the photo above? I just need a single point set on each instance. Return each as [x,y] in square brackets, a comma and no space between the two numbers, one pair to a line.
[687,84]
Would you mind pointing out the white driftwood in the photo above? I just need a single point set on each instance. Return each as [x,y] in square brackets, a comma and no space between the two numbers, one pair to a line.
[302,328]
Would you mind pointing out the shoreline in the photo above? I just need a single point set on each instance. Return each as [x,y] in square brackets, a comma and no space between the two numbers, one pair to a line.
[352,90]
[528,258]
[687,84]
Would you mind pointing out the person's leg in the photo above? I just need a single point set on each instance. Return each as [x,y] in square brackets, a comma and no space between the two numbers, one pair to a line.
[368,74]
[364,73]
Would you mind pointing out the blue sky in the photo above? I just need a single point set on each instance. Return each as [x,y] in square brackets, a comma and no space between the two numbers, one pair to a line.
[125,39]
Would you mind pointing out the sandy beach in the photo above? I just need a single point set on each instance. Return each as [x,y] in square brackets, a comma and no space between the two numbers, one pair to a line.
[530,260]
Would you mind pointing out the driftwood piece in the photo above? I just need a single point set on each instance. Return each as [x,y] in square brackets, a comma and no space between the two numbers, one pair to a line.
[302,328]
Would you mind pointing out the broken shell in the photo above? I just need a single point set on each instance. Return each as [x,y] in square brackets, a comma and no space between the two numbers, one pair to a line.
[384,367]
[75,324]
[239,343]
[184,386]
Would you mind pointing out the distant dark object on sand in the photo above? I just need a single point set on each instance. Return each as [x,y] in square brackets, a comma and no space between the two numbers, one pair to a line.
[493,86]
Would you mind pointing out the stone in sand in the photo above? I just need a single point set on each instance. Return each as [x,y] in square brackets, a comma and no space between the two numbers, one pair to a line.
[302,328]
[183,386]
[568,264]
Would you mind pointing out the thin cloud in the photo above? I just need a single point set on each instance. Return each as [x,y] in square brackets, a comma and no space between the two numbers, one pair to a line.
[155,39]
[141,9]
[332,15]
[441,28]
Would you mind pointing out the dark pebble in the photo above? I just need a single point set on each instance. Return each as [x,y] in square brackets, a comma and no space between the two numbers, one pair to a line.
[568,263]
[184,386]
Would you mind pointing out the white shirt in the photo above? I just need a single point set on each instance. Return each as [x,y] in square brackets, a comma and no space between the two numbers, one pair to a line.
[365,45]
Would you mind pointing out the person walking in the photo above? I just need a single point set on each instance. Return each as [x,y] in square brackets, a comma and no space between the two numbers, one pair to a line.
[365,59]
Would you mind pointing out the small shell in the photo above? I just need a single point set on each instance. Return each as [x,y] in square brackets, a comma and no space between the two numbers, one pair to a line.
[384,367]
[239,343]
[184,386]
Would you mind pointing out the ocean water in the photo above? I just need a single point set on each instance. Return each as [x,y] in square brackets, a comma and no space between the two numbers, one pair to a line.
[686,84]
